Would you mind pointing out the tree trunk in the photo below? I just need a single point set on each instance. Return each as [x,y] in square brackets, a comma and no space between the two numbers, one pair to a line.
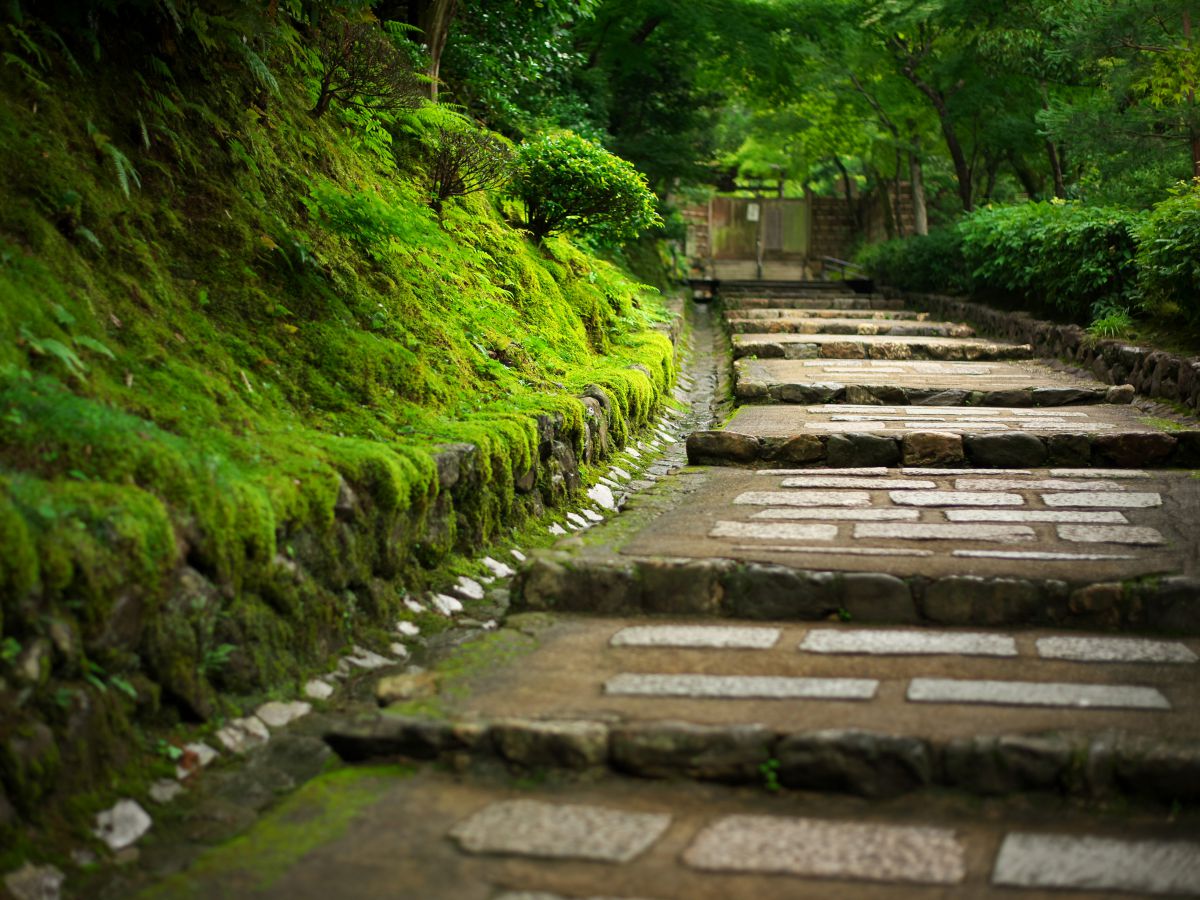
[1056,170]
[1025,176]
[916,178]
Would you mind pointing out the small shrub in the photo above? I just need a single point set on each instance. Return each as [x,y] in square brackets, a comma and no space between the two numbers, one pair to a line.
[566,182]
[1168,253]
[461,161]
[361,67]
[932,262]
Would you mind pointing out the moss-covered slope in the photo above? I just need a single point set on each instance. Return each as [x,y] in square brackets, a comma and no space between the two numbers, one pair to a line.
[234,340]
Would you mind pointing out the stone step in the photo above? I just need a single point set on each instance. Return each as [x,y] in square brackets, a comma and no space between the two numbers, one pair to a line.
[934,545]
[842,708]
[777,313]
[901,382]
[439,836]
[826,325]
[1109,435]
[840,302]
[890,347]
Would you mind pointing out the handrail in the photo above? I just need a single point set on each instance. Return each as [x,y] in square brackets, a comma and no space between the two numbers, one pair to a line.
[842,267]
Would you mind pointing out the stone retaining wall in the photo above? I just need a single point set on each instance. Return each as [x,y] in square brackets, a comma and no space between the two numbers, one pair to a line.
[1154,373]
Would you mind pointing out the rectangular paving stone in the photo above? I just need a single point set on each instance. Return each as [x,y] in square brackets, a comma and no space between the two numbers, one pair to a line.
[1035,693]
[715,636]
[1038,555]
[1099,516]
[999,473]
[534,828]
[816,848]
[840,551]
[804,498]
[1110,649]
[774,531]
[1105,499]
[1110,534]
[921,531]
[824,481]
[1098,864]
[1033,484]
[1098,473]
[844,515]
[869,472]
[741,687]
[956,498]
[888,642]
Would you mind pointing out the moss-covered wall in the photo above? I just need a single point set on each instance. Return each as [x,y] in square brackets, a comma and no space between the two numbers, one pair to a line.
[252,390]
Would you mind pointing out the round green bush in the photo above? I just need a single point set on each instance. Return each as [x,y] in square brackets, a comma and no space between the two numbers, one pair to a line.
[568,183]
[1168,253]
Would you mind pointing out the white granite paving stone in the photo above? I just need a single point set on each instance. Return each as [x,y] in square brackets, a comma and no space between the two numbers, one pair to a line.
[869,472]
[890,642]
[603,495]
[1102,500]
[1110,534]
[1035,693]
[715,636]
[817,848]
[804,498]
[956,498]
[1098,473]
[842,515]
[1033,484]
[1041,555]
[122,825]
[840,551]
[871,484]
[446,605]
[1098,864]
[1098,516]
[317,689]
[999,473]
[497,568]
[921,531]
[560,831]
[277,714]
[741,687]
[1112,649]
[774,531]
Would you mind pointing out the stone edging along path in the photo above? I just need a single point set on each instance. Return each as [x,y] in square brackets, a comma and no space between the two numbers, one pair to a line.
[1154,373]
[853,761]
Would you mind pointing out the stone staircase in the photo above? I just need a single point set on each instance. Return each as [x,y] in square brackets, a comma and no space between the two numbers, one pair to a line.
[920,619]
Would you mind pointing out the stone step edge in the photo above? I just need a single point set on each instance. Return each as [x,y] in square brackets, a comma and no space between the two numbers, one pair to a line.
[749,391]
[1007,450]
[558,581]
[967,350]
[871,764]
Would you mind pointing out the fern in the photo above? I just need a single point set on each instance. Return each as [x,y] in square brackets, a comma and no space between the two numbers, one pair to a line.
[126,173]
[92,344]
[30,73]
[90,236]
[257,67]
[54,348]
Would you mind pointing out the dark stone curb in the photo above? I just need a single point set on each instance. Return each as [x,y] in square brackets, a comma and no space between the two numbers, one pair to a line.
[1122,449]
[866,763]
[556,580]
[750,391]
[851,348]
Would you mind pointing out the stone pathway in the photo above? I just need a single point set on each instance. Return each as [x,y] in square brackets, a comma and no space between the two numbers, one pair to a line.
[927,628]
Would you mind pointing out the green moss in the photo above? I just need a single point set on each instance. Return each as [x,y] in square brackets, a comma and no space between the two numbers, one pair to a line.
[316,814]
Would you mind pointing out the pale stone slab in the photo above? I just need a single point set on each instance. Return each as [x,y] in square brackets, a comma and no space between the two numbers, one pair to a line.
[840,551]
[1098,473]
[317,689]
[278,714]
[1033,484]
[1102,499]
[1098,864]
[842,515]
[1099,516]
[1034,693]
[1110,534]
[873,484]
[804,498]
[892,642]
[999,473]
[774,531]
[562,831]
[915,411]
[920,531]
[122,825]
[741,687]
[818,848]
[1120,650]
[1037,555]
[869,472]
[956,498]
[715,636]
